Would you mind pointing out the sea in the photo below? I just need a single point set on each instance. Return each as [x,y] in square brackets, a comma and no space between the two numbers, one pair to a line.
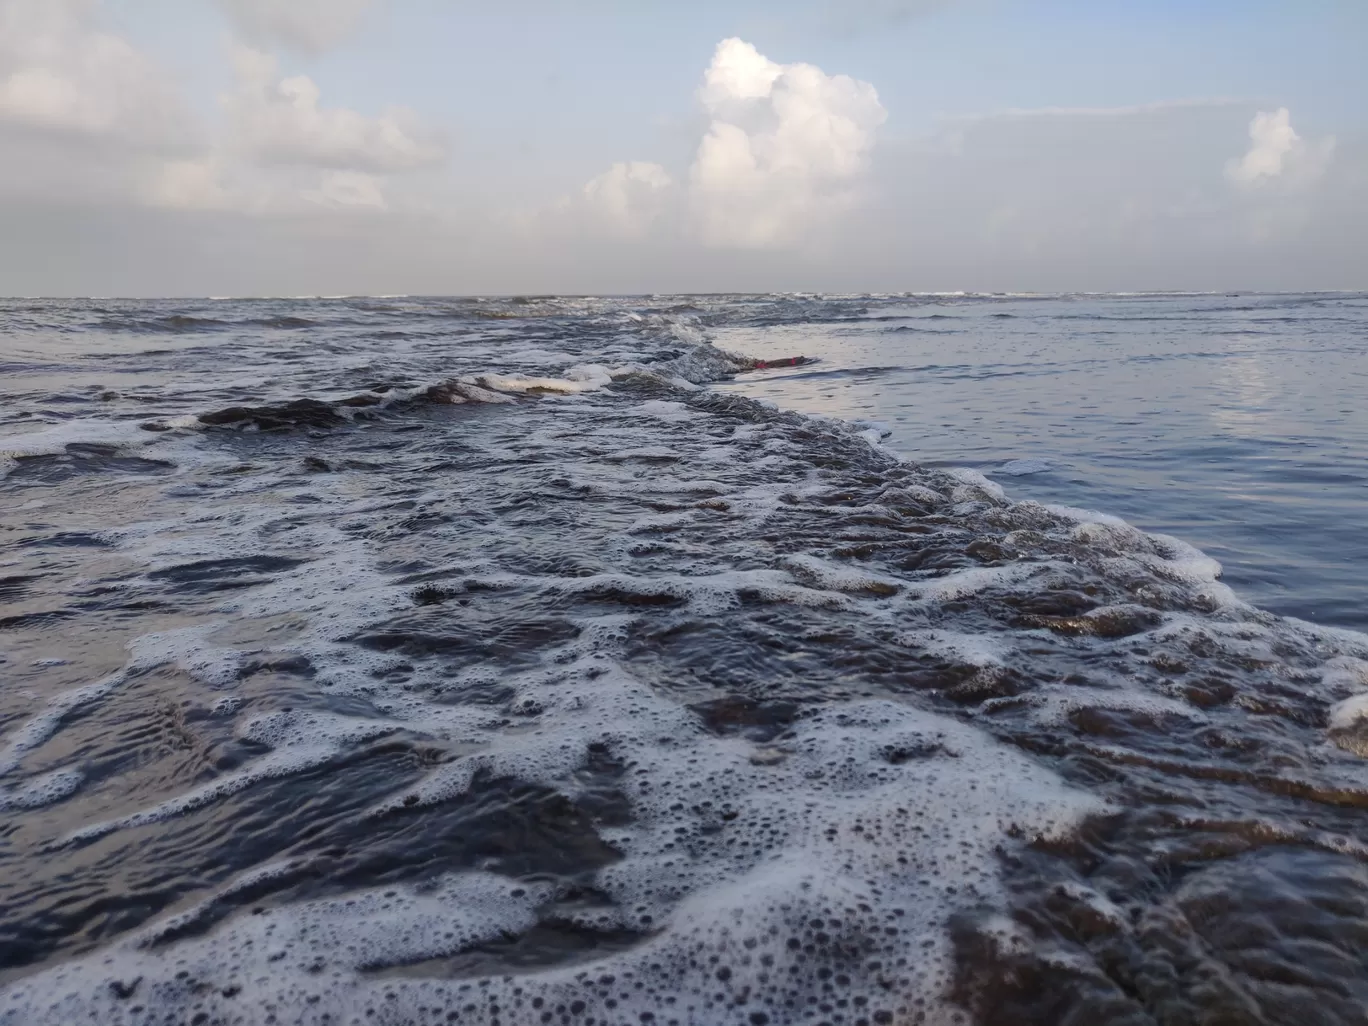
[696,660]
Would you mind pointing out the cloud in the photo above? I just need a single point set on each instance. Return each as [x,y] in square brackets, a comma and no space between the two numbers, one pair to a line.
[1090,198]
[1278,152]
[210,186]
[342,190]
[786,147]
[311,26]
[1273,140]
[629,197]
[62,72]
[188,185]
[784,182]
[278,121]
[785,151]
[283,154]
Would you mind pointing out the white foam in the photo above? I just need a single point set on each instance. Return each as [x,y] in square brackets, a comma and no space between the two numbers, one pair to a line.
[1053,704]
[1350,713]
[471,392]
[866,808]
[981,650]
[1345,673]
[1162,554]
[1187,561]
[963,583]
[974,485]
[872,432]
[1110,533]
[915,493]
[661,522]
[188,649]
[1096,901]
[872,435]
[1087,516]
[665,409]
[53,440]
[705,593]
[581,378]
[47,789]
[1335,639]
[877,821]
[866,817]
[836,577]
[337,936]
[879,427]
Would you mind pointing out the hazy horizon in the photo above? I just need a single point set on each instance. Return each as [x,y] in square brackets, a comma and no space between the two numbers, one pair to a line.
[381,147]
[888,294]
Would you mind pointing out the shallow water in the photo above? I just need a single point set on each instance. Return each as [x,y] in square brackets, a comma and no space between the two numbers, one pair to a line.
[1236,422]
[418,661]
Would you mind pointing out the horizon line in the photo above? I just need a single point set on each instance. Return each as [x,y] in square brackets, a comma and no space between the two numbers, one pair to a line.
[792,293]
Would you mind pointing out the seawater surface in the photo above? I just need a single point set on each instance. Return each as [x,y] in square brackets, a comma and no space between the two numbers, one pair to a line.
[1236,422]
[580,661]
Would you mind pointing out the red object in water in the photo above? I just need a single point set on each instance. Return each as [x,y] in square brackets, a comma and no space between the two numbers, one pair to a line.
[789,361]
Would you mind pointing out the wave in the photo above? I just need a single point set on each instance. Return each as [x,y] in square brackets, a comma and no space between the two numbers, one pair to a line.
[647,700]
[186,324]
[836,372]
[903,329]
[697,365]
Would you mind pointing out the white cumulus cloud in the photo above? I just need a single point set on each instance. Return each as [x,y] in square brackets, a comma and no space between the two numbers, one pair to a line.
[279,121]
[341,190]
[188,185]
[308,25]
[1277,152]
[787,146]
[62,71]
[629,196]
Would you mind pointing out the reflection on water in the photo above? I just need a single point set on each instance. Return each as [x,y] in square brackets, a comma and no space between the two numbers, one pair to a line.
[1250,402]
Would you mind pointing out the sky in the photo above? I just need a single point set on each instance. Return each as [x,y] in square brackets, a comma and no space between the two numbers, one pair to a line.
[326,147]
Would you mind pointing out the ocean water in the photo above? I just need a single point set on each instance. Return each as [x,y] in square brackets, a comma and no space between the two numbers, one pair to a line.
[1236,422]
[547,660]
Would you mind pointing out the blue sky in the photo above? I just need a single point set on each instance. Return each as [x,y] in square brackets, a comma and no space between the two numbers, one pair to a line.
[514,110]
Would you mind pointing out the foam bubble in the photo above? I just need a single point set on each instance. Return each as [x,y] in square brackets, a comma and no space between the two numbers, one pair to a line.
[840,578]
[1349,713]
[1054,704]
[664,409]
[1086,516]
[580,378]
[979,650]
[709,593]
[963,583]
[188,649]
[1345,672]
[54,440]
[974,486]
[854,847]
[47,789]
[751,876]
